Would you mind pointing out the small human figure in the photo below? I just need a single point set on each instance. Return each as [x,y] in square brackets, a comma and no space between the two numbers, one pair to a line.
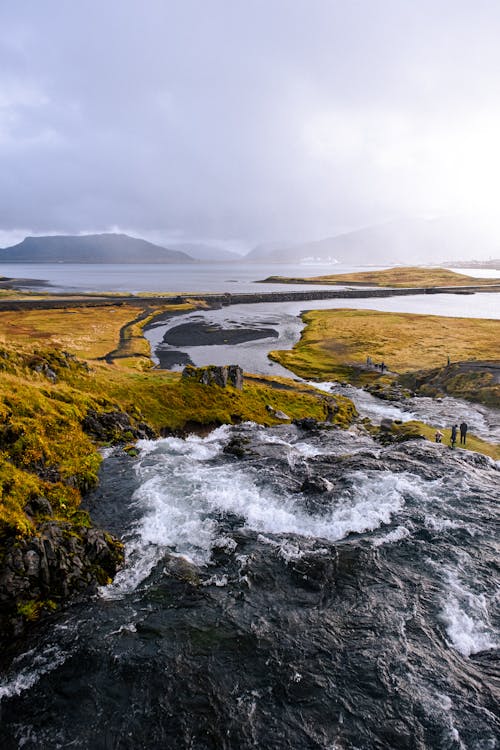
[438,435]
[382,367]
[449,363]
[368,361]
[453,435]
[463,432]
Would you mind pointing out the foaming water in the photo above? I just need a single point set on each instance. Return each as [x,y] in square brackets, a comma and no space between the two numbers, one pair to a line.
[316,590]
[183,492]
[482,421]
[29,668]
[467,616]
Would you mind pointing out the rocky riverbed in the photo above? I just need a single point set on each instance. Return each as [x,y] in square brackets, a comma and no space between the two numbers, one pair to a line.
[293,587]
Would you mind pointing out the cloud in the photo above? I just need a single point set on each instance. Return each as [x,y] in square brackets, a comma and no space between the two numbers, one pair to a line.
[246,121]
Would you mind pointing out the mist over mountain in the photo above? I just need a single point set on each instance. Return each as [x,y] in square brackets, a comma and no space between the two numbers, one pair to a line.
[203,252]
[90,248]
[407,242]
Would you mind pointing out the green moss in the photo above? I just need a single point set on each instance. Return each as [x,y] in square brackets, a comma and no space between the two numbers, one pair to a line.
[32,609]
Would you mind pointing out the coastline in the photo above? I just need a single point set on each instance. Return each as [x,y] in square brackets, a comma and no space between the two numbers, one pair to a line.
[59,301]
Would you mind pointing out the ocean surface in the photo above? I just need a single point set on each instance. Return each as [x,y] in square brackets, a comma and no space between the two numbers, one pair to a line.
[285,588]
[136,278]
[202,277]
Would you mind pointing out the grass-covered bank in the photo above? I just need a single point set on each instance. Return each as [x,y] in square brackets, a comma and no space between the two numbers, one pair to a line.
[401,276]
[335,345]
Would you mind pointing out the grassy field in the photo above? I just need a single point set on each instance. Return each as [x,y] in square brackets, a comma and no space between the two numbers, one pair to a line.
[394,277]
[46,391]
[89,332]
[336,343]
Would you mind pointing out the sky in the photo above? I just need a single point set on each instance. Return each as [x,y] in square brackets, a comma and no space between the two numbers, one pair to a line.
[246,121]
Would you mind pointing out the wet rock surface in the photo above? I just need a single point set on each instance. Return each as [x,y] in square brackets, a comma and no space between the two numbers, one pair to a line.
[317,591]
[43,571]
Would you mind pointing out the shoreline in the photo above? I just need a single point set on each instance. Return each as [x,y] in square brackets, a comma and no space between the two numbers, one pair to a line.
[58,301]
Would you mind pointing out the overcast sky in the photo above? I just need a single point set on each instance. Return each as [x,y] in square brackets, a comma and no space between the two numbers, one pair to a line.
[246,120]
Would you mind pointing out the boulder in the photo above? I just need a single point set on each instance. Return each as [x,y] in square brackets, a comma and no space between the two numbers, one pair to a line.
[277,413]
[308,424]
[316,484]
[239,446]
[115,427]
[221,375]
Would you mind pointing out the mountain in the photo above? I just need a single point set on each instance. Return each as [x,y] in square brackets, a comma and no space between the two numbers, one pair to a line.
[206,253]
[90,248]
[407,242]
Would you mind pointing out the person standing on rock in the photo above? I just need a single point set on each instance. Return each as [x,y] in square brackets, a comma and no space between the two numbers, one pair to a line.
[463,432]
[453,435]
[438,436]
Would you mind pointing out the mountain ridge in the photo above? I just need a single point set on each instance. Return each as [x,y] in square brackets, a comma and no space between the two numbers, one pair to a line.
[90,248]
[408,241]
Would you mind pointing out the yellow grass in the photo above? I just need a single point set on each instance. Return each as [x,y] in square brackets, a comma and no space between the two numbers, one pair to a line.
[404,276]
[89,332]
[335,341]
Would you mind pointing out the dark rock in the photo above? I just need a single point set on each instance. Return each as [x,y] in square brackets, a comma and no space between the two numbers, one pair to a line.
[235,376]
[308,424]
[32,563]
[50,375]
[39,505]
[388,392]
[60,561]
[391,432]
[316,485]
[221,375]
[239,446]
[115,427]
[332,408]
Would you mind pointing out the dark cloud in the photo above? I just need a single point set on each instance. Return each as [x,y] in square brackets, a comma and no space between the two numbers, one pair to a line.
[247,120]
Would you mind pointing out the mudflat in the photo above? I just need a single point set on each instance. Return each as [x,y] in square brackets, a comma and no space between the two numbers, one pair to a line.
[206,334]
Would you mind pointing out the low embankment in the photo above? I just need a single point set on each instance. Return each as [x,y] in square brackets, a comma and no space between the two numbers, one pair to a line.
[60,302]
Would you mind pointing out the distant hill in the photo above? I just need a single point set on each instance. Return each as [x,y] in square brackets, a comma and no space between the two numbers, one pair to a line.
[206,253]
[407,242]
[90,248]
